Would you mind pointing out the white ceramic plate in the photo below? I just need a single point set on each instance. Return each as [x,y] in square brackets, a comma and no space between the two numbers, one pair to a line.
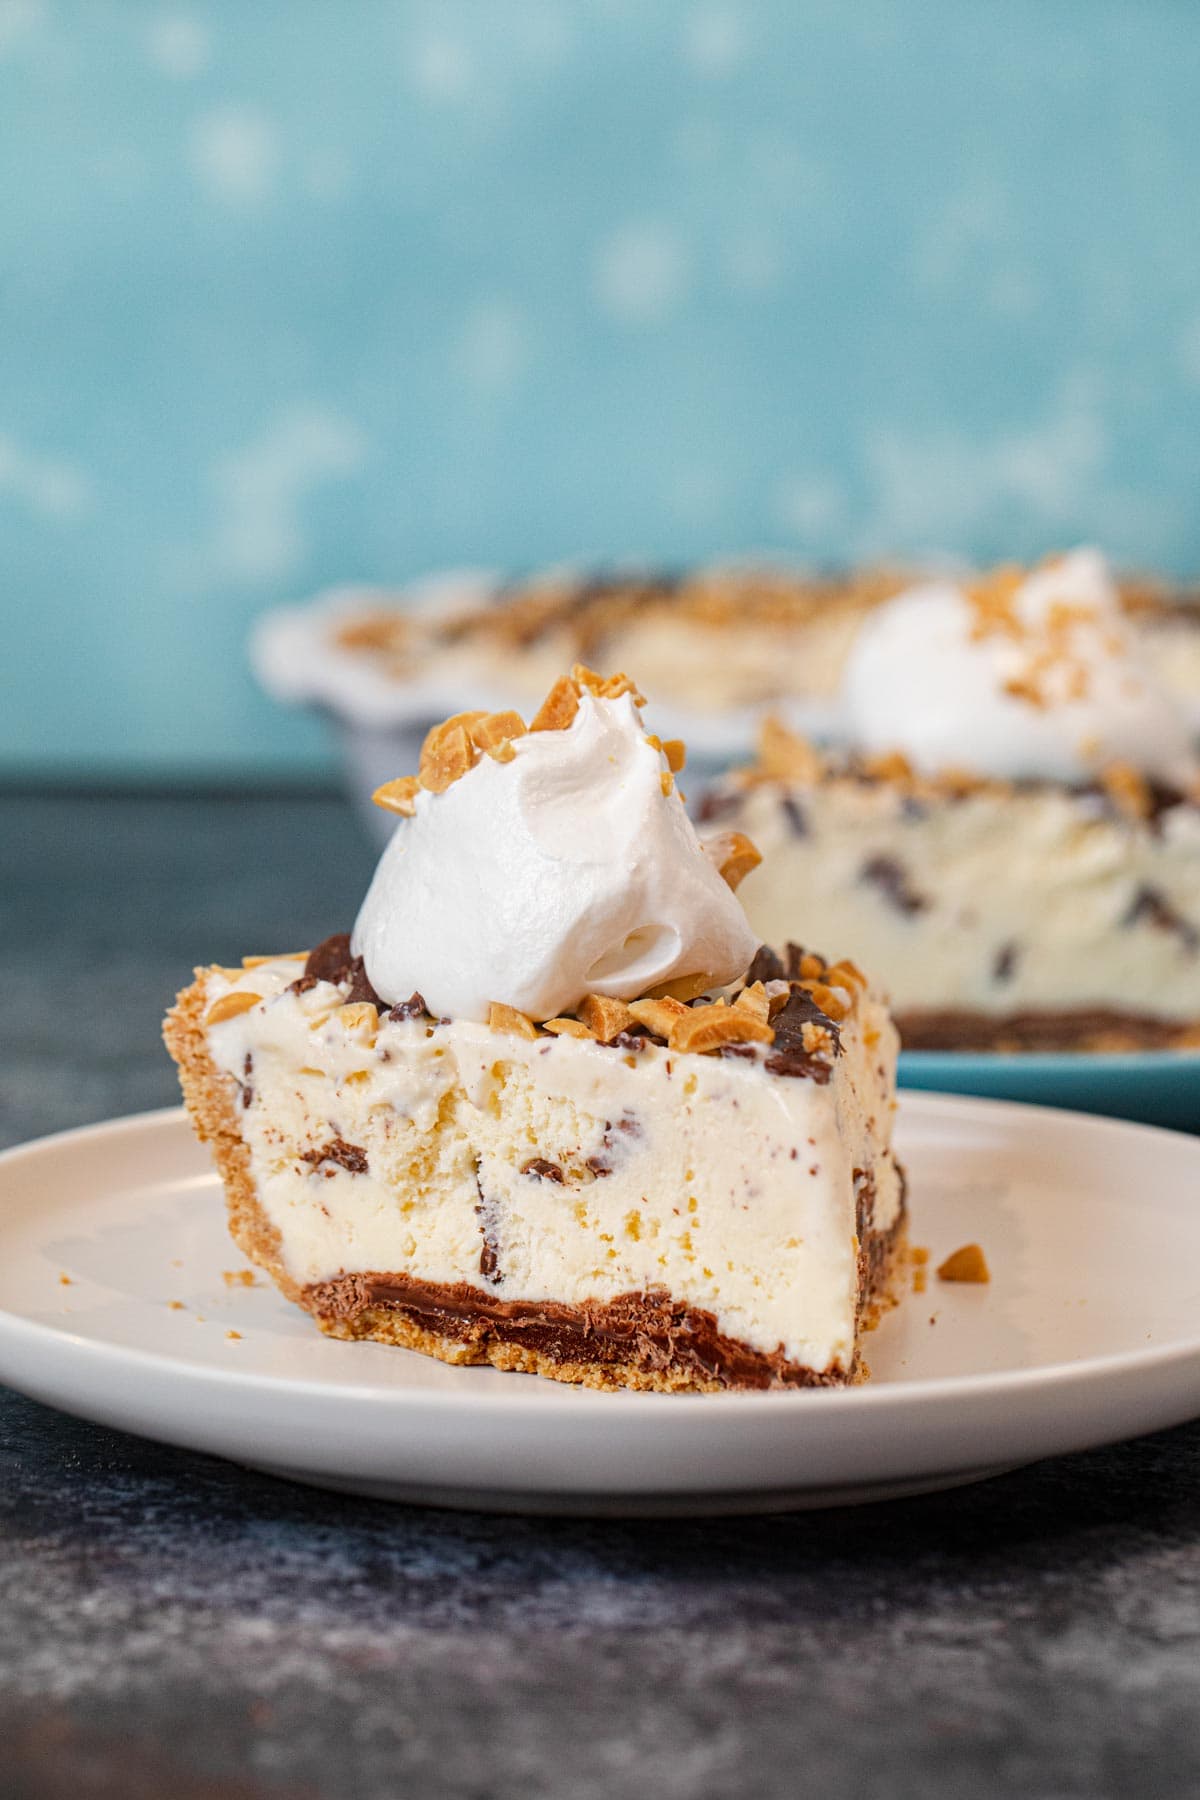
[1089,1332]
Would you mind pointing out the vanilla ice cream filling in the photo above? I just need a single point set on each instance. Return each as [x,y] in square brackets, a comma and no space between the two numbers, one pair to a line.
[998,902]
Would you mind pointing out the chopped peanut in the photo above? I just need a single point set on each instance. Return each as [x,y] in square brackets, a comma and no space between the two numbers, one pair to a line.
[658,1016]
[605,687]
[845,974]
[566,1028]
[399,796]
[448,752]
[783,756]
[708,1027]
[682,987]
[558,708]
[753,1000]
[738,859]
[831,1004]
[965,1264]
[495,731]
[230,1005]
[891,765]
[1128,790]
[992,597]
[604,1017]
[507,1018]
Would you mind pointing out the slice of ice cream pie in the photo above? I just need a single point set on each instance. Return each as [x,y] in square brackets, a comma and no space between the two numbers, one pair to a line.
[550,1106]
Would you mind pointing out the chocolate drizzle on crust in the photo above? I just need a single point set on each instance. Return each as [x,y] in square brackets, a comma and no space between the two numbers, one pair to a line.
[648,1330]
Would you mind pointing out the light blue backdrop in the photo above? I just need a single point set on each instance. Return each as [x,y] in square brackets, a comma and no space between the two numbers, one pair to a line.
[295,292]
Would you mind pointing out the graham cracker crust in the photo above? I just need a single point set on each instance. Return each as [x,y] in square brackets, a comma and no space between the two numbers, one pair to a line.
[645,1341]
[212,1101]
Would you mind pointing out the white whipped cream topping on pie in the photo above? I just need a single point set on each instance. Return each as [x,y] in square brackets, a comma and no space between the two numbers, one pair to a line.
[1049,685]
[564,872]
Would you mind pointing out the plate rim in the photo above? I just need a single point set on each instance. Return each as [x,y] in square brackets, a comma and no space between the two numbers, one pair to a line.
[928,1393]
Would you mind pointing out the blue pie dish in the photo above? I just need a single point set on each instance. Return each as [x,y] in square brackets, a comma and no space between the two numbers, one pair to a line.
[1157,1087]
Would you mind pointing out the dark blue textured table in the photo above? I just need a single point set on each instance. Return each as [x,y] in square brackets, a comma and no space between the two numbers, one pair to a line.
[173,1627]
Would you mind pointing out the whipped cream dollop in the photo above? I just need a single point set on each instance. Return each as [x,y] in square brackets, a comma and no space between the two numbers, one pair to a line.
[562,872]
[1033,678]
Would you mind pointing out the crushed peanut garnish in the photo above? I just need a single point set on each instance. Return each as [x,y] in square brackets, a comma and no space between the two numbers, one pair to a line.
[1128,790]
[507,1018]
[890,766]
[785,756]
[452,749]
[559,707]
[738,857]
[845,974]
[703,1028]
[230,1005]
[830,1003]
[495,732]
[753,1000]
[399,796]
[566,1028]
[658,1016]
[757,1013]
[965,1264]
[682,987]
[448,752]
[606,687]
[604,1017]
[591,613]
[992,596]
[1054,671]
